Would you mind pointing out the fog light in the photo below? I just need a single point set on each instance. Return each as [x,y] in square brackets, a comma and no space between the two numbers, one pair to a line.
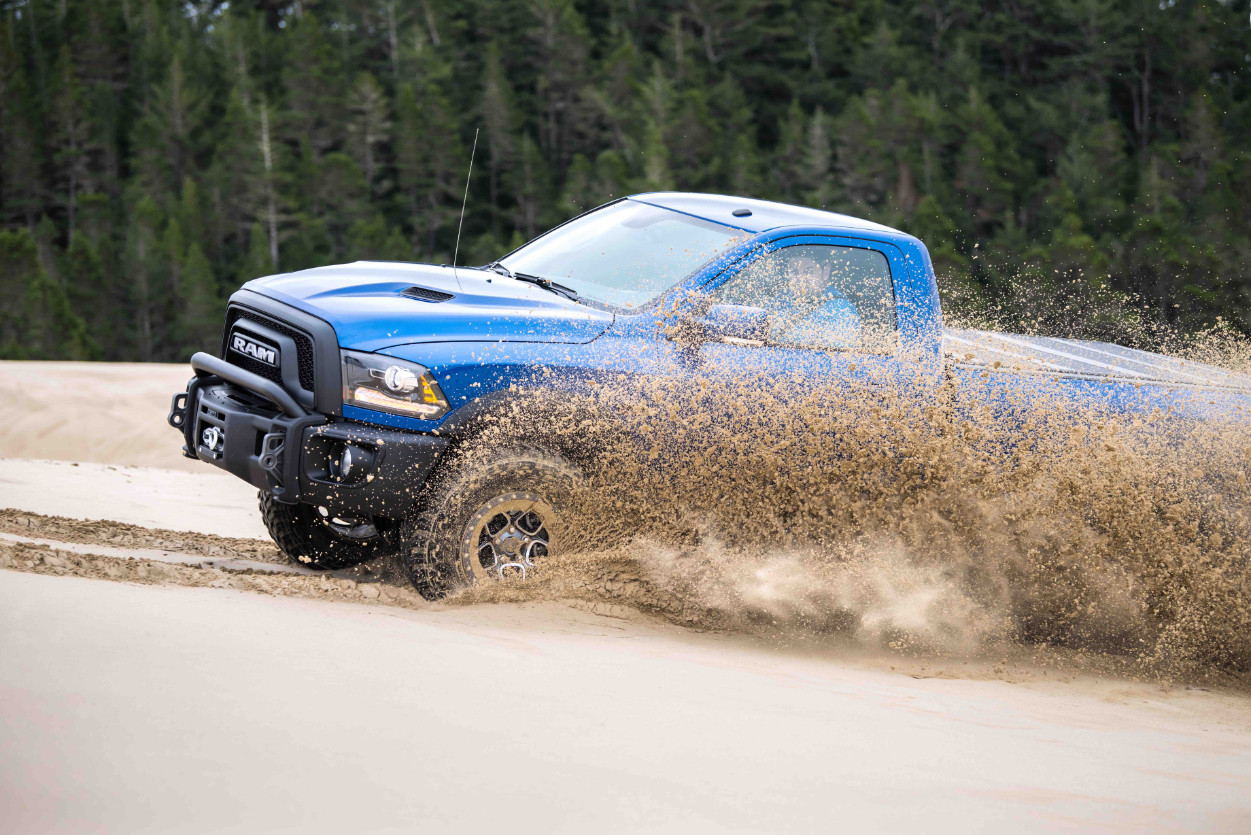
[355,461]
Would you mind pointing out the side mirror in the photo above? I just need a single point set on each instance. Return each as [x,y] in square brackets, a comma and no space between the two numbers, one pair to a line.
[736,323]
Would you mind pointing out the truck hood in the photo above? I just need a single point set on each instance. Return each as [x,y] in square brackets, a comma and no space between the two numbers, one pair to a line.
[1083,358]
[366,302]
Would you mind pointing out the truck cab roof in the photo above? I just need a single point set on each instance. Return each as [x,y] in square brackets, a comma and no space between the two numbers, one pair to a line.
[753,215]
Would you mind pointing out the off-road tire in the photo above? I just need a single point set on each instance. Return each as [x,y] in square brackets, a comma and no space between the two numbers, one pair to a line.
[431,540]
[300,532]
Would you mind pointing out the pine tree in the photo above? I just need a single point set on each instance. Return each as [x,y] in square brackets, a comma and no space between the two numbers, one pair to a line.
[738,165]
[314,84]
[497,127]
[141,139]
[530,186]
[655,175]
[71,135]
[190,213]
[579,194]
[818,161]
[431,160]
[200,322]
[19,266]
[410,159]
[145,265]
[559,39]
[257,261]
[370,127]
[789,156]
[40,325]
[169,128]
[171,295]
[53,331]
[986,164]
[90,293]
[237,174]
[21,191]
[368,240]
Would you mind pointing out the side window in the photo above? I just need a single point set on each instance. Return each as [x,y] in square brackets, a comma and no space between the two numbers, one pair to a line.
[831,297]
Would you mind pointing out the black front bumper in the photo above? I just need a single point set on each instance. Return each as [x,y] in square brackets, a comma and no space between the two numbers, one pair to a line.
[250,426]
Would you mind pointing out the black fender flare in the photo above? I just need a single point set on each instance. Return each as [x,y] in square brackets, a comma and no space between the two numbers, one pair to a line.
[573,425]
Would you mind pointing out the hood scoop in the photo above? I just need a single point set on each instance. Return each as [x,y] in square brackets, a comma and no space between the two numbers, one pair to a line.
[425,294]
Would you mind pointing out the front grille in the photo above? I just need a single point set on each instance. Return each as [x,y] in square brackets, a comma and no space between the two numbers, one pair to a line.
[303,348]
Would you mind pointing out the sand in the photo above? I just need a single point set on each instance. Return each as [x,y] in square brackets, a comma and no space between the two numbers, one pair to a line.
[208,501]
[180,696]
[109,413]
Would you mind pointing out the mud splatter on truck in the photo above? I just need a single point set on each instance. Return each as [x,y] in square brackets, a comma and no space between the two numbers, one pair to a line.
[742,415]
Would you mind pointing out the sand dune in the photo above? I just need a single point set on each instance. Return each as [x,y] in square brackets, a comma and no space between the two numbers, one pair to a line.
[106,413]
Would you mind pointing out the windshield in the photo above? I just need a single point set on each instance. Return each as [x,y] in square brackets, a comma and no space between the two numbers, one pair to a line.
[625,254]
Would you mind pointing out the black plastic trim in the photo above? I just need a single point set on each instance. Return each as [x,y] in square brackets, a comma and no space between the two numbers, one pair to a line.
[294,458]
[242,420]
[402,461]
[545,408]
[468,418]
[209,365]
[328,390]
[288,356]
[182,416]
[425,294]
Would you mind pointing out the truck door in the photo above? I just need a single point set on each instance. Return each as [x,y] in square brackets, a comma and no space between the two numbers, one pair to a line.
[831,350]
[825,314]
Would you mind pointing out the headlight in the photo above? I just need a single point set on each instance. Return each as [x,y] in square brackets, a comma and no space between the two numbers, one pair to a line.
[391,385]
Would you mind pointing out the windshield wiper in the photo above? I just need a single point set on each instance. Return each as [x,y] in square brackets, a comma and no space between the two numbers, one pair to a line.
[547,284]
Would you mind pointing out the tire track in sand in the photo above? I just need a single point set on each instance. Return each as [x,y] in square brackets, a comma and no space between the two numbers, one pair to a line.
[129,553]
[123,552]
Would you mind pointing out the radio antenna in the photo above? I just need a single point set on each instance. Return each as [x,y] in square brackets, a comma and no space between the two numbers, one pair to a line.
[463,202]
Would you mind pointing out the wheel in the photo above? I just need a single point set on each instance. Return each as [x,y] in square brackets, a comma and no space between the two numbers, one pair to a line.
[310,536]
[487,518]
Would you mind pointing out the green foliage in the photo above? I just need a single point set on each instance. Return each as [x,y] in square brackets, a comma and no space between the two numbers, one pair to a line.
[40,324]
[200,316]
[156,154]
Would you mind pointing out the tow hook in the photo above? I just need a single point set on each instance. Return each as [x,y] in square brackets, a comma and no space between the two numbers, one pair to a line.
[271,454]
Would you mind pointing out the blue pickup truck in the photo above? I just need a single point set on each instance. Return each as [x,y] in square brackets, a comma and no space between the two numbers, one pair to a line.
[348,395]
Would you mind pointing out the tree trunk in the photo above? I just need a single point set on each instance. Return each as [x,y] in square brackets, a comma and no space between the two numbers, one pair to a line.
[434,30]
[271,208]
[72,209]
[1146,98]
[394,40]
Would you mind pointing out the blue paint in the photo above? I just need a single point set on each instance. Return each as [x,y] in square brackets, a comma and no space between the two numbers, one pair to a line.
[498,332]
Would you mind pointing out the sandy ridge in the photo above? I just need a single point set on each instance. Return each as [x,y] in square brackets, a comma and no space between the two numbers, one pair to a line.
[43,559]
[610,586]
[29,542]
[122,535]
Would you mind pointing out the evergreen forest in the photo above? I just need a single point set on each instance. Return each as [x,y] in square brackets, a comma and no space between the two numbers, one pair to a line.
[155,154]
